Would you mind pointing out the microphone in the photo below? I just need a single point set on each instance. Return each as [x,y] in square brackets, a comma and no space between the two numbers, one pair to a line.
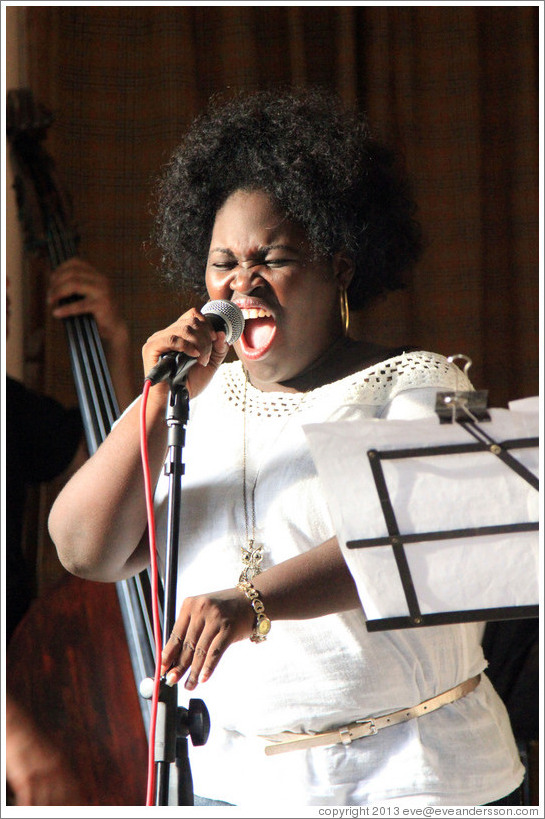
[224,316]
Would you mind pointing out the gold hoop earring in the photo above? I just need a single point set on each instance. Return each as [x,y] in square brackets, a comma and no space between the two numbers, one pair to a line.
[345,313]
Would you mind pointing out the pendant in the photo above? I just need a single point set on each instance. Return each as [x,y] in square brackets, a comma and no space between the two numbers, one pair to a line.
[251,556]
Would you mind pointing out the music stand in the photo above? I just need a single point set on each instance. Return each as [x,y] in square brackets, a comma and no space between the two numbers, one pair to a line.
[436,518]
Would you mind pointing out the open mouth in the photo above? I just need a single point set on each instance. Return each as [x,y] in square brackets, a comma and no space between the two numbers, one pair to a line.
[259,331]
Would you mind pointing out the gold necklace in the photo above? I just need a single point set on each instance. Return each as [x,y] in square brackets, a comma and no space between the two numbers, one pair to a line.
[251,553]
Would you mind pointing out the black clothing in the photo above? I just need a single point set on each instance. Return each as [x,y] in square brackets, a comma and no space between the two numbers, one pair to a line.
[42,437]
[512,650]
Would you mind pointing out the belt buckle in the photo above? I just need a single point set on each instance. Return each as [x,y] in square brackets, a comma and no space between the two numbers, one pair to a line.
[371,723]
[345,736]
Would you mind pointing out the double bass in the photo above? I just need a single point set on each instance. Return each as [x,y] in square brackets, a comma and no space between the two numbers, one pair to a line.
[78,656]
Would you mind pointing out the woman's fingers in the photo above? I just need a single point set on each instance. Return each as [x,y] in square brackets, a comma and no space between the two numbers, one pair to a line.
[190,334]
[206,627]
[201,659]
[193,335]
[175,645]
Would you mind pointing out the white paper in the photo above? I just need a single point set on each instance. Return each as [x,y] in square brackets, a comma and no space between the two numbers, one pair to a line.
[434,494]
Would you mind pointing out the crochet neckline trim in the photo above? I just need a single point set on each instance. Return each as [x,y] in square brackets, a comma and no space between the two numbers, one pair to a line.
[416,366]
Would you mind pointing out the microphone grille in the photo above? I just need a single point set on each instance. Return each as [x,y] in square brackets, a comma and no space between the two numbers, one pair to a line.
[231,316]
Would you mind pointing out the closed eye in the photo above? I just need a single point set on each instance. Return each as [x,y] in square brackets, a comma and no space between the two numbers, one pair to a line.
[272,263]
[224,265]
[279,262]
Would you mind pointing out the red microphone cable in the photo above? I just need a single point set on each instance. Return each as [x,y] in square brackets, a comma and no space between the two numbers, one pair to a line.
[154,594]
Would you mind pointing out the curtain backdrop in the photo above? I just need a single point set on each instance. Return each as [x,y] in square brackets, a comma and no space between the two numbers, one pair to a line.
[454,87]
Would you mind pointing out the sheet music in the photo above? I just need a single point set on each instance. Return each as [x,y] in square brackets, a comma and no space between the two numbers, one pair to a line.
[434,494]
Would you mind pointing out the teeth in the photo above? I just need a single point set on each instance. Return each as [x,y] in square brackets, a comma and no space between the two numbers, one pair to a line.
[253,313]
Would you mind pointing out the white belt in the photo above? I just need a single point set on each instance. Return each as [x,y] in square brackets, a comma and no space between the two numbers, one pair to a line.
[289,741]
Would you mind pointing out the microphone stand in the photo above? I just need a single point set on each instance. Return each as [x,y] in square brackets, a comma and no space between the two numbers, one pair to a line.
[175,723]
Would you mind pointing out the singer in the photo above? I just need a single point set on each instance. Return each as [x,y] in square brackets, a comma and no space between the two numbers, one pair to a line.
[297,215]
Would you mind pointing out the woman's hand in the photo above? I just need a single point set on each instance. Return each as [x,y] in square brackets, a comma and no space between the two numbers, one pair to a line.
[193,335]
[205,628]
[311,584]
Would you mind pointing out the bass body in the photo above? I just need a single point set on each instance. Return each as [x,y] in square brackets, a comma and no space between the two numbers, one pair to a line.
[78,656]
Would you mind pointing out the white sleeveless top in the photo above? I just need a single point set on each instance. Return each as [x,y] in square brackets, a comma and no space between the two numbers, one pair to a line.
[317,674]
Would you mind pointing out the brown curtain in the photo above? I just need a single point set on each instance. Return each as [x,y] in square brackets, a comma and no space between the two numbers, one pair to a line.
[455,87]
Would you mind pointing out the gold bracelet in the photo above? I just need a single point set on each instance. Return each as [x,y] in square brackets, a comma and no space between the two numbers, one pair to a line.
[263,624]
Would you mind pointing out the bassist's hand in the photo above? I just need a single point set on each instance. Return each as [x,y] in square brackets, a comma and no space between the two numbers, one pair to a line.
[78,277]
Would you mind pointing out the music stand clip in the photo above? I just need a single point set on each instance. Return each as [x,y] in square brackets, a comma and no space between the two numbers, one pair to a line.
[457,405]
